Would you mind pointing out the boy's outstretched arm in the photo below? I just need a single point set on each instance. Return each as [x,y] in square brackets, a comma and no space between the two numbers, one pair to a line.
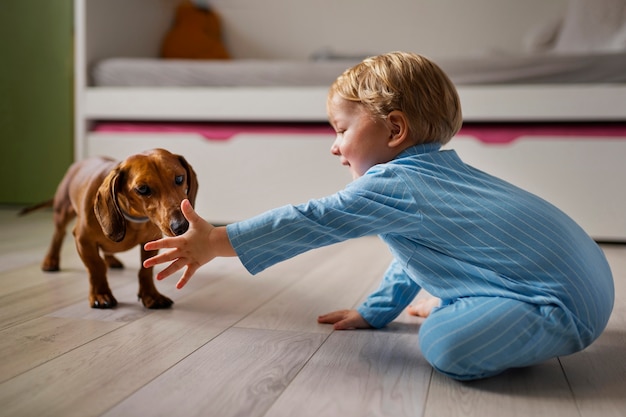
[196,247]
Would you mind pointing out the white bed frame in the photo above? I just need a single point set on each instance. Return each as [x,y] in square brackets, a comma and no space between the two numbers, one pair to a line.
[242,177]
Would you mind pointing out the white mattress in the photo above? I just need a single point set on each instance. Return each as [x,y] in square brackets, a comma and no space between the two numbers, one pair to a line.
[146,72]
[495,69]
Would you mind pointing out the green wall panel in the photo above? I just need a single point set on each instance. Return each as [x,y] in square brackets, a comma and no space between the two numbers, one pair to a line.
[36,121]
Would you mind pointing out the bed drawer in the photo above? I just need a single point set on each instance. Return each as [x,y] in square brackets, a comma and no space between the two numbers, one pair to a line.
[583,176]
[250,173]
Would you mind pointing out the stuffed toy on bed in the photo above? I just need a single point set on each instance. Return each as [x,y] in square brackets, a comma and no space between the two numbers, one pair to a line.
[195,34]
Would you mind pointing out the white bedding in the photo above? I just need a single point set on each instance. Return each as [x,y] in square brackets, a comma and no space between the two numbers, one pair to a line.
[147,72]
[489,69]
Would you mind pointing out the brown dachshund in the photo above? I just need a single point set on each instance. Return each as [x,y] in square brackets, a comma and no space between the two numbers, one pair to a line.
[118,206]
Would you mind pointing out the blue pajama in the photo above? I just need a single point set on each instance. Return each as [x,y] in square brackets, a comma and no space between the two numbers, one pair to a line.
[520,281]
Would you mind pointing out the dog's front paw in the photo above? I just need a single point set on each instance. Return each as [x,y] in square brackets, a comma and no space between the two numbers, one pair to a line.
[155,301]
[102,301]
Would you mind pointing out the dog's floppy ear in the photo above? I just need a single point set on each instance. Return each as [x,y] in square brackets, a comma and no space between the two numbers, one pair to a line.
[107,209]
[192,180]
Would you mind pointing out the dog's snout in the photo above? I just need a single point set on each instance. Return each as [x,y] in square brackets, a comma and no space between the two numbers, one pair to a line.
[179,227]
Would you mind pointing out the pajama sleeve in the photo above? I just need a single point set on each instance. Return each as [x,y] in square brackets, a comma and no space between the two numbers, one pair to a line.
[377,203]
[395,293]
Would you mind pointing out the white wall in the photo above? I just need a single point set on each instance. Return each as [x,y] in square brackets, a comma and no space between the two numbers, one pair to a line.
[298,28]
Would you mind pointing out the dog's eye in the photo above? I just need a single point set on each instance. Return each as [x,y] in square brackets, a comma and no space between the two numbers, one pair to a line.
[143,190]
[179,179]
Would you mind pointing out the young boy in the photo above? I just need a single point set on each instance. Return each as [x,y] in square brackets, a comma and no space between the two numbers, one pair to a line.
[517,281]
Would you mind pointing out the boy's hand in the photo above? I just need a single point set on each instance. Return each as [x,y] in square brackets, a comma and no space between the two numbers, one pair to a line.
[190,250]
[344,320]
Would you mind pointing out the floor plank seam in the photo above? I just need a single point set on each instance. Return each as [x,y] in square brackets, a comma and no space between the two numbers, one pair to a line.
[262,304]
[569,386]
[304,365]
[427,395]
[64,352]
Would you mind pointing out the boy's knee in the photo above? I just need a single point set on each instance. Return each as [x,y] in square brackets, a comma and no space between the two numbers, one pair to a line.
[449,356]
[449,366]
[447,361]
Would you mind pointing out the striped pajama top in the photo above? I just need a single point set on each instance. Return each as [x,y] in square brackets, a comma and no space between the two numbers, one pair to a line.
[453,230]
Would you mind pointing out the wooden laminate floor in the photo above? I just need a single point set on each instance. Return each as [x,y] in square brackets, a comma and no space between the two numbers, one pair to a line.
[237,345]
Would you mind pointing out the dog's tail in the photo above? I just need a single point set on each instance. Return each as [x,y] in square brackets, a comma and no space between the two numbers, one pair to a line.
[38,206]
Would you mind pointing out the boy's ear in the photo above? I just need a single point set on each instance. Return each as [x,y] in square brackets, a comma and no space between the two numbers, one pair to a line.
[399,126]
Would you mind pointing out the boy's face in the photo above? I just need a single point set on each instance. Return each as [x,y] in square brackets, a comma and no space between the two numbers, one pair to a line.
[361,141]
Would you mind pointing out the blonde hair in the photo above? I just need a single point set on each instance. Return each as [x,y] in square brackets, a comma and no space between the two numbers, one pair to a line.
[409,83]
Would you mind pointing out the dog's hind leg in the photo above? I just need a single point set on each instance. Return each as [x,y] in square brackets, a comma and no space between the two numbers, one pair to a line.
[63,215]
[113,262]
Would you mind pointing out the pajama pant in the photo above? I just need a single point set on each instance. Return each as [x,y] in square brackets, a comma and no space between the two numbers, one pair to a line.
[478,337]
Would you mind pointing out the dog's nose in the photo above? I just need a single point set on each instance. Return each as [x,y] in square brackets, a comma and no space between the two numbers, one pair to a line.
[179,226]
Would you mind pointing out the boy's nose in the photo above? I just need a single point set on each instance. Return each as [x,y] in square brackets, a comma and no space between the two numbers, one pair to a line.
[334,149]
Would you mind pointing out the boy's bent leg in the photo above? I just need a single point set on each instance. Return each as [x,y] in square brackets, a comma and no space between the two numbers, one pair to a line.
[478,337]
